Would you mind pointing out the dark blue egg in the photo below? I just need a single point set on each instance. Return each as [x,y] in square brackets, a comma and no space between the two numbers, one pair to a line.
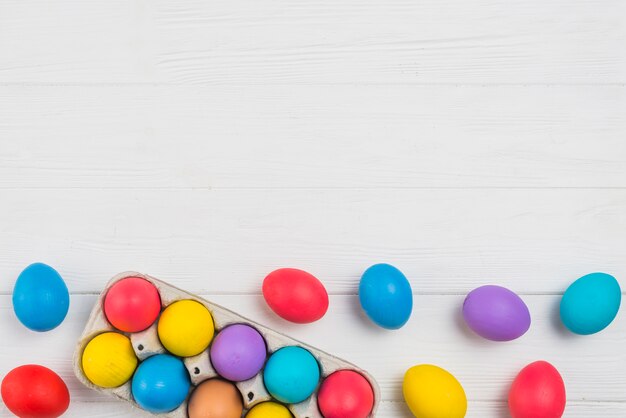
[386,296]
[40,298]
[161,383]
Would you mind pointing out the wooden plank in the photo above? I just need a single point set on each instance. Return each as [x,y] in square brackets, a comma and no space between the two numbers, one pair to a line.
[312,137]
[446,241]
[594,368]
[312,42]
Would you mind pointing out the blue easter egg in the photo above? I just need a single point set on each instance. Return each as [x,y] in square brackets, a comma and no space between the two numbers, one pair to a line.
[591,303]
[161,383]
[40,298]
[291,374]
[386,296]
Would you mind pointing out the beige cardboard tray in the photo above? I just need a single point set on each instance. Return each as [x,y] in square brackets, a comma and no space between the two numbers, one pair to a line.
[146,344]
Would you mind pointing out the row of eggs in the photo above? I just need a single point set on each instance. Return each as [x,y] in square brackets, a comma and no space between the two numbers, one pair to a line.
[238,352]
[34,391]
[538,391]
[41,302]
[161,383]
[588,305]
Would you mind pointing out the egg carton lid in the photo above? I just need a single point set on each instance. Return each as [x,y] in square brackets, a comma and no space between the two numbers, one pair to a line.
[146,343]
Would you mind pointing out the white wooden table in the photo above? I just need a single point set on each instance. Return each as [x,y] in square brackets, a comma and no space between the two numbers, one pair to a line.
[209,142]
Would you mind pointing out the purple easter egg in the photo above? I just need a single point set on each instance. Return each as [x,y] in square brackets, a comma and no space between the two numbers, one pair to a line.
[238,352]
[496,313]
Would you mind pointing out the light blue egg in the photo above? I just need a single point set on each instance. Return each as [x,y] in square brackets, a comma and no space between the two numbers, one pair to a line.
[291,374]
[386,296]
[40,298]
[161,383]
[591,303]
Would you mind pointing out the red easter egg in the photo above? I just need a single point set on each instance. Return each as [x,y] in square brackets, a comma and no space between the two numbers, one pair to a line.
[538,391]
[295,295]
[33,391]
[132,304]
[345,394]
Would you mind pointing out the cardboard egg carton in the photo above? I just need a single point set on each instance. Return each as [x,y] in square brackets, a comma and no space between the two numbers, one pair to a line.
[147,343]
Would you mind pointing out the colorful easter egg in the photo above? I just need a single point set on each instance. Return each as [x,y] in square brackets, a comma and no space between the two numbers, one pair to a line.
[432,392]
[161,383]
[238,352]
[269,410]
[591,303]
[345,393]
[386,296]
[538,391]
[496,313]
[186,328]
[215,398]
[291,374]
[34,391]
[108,360]
[132,304]
[40,298]
[295,295]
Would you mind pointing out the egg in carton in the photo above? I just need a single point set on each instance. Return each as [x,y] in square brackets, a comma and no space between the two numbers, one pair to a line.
[110,358]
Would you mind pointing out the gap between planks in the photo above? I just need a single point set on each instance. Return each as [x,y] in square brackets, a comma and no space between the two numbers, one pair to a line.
[331,293]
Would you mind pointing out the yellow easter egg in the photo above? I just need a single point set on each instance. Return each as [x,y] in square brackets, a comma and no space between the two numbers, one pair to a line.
[109,360]
[269,410]
[186,328]
[432,392]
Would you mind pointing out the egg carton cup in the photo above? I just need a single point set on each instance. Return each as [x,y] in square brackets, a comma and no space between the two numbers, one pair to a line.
[146,343]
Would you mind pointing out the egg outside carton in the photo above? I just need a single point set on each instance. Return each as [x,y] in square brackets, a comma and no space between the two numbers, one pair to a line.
[146,343]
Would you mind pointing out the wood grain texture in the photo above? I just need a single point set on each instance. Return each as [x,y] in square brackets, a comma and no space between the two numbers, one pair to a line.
[446,241]
[594,368]
[313,41]
[312,137]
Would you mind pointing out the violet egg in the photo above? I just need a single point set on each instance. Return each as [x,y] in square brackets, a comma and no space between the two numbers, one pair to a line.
[496,313]
[238,352]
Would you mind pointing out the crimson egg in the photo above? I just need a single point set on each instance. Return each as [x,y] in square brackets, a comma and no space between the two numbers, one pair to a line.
[295,295]
[33,391]
[345,393]
[132,304]
[538,391]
